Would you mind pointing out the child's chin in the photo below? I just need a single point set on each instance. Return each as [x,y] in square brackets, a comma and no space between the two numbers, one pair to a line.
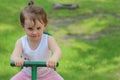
[34,38]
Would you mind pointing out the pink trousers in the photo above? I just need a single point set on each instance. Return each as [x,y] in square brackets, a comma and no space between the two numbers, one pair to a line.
[53,75]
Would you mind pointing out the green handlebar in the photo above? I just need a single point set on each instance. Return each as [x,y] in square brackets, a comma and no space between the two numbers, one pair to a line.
[32,63]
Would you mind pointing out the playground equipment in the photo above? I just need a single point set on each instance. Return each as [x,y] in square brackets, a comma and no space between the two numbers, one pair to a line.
[33,65]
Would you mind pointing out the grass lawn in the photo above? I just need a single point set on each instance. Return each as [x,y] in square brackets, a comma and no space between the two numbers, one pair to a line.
[88,36]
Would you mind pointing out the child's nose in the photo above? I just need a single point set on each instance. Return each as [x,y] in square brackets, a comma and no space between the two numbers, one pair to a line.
[34,32]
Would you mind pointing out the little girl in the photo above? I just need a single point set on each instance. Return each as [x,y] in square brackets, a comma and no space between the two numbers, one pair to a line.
[36,46]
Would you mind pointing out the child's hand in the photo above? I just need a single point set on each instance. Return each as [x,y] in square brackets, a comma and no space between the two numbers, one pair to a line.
[19,62]
[52,62]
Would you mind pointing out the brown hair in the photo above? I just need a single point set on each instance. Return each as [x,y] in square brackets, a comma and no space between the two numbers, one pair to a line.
[33,12]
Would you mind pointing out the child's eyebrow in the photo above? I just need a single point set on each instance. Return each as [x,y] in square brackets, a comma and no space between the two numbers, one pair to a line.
[39,26]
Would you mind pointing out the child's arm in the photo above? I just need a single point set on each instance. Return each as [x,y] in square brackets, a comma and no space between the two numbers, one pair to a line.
[53,46]
[17,52]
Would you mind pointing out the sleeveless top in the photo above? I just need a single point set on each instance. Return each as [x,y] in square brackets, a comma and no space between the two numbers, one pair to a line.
[41,53]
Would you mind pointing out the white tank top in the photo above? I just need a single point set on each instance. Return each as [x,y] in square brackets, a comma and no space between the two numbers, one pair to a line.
[41,53]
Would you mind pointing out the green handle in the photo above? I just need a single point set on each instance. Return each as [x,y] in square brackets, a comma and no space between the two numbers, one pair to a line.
[34,65]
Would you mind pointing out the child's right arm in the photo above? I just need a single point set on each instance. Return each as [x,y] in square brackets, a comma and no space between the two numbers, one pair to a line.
[17,52]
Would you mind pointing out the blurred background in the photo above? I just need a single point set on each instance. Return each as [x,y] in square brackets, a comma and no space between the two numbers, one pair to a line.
[88,35]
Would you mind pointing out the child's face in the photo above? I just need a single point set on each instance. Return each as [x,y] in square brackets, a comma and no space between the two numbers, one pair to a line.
[33,30]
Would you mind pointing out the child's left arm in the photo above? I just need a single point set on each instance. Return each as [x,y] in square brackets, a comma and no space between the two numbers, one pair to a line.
[56,52]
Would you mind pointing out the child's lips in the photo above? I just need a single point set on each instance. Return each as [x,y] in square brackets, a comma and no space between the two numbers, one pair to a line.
[34,36]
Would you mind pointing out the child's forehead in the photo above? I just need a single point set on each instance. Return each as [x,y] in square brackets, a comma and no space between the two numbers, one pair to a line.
[31,23]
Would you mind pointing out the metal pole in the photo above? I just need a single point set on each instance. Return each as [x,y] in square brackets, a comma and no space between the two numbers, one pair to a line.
[34,73]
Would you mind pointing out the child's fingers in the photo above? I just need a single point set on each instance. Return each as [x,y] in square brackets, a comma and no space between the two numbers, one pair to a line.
[51,64]
[19,62]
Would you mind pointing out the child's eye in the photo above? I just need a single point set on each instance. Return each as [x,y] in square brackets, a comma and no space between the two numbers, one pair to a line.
[38,28]
[30,29]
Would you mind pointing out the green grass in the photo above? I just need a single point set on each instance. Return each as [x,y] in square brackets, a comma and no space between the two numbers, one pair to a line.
[85,57]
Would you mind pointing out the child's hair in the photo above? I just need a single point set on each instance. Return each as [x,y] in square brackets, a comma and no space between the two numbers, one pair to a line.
[33,12]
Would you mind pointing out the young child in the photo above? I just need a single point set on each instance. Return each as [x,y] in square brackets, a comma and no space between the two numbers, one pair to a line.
[36,46]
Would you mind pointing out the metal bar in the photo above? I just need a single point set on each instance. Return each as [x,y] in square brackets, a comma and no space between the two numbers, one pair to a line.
[31,63]
[34,65]
[34,73]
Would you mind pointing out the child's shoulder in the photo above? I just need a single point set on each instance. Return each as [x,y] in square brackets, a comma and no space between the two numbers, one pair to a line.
[51,38]
[18,42]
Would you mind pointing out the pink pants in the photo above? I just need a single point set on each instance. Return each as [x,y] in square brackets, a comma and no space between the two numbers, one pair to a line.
[53,75]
